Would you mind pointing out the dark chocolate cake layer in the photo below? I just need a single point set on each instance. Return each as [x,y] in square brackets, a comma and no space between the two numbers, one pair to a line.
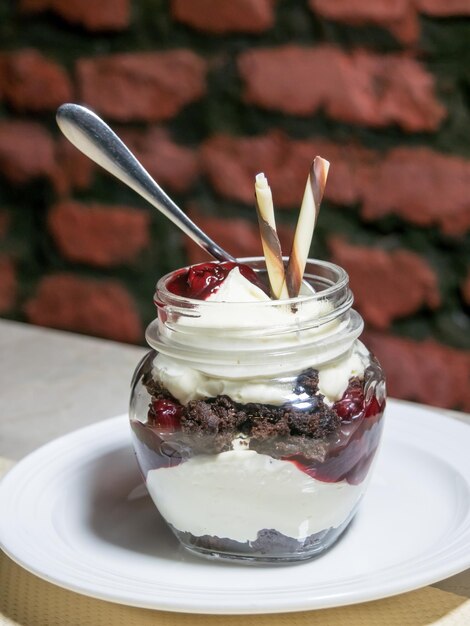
[328,443]
[269,544]
[210,425]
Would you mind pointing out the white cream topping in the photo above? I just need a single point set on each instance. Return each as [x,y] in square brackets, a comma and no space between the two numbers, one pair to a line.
[236,288]
[242,325]
[231,329]
[236,494]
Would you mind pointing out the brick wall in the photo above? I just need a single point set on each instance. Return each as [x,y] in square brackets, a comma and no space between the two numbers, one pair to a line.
[208,94]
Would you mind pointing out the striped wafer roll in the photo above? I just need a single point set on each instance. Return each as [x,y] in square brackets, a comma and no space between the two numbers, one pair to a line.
[308,215]
[269,238]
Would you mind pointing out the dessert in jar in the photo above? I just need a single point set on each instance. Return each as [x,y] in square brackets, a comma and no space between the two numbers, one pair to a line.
[255,418]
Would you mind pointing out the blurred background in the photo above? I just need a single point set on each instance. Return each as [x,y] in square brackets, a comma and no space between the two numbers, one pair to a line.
[208,93]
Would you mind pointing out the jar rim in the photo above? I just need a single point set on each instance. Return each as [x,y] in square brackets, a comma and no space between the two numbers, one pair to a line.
[251,333]
[342,281]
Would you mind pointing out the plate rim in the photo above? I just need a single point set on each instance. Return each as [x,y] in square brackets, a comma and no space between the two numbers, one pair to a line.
[271,605]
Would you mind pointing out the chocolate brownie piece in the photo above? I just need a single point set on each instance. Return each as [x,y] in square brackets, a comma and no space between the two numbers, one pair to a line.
[317,421]
[211,416]
[210,425]
[286,431]
[154,387]
[292,446]
[307,382]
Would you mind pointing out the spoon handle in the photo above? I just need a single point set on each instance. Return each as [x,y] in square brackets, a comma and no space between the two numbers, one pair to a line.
[87,132]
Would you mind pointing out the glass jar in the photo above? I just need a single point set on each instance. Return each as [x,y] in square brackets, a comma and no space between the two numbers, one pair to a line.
[255,424]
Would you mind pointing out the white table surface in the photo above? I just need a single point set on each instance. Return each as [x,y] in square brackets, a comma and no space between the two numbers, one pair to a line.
[53,382]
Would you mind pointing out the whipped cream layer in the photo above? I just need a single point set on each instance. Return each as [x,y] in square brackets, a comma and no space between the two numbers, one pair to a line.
[226,322]
[186,383]
[236,494]
[292,338]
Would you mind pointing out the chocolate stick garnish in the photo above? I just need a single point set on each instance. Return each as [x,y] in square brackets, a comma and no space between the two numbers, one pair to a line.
[306,224]
[269,238]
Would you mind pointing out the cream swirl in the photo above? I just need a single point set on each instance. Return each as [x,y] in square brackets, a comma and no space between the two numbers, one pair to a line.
[225,499]
[293,338]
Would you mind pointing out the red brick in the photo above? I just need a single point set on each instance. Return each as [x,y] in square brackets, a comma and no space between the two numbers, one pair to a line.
[249,16]
[8,284]
[422,186]
[386,285]
[75,170]
[94,16]
[238,236]
[350,171]
[358,88]
[103,236]
[231,164]
[426,371]
[100,308]
[31,82]
[26,151]
[466,289]
[399,16]
[172,165]
[148,86]
[432,188]
[443,8]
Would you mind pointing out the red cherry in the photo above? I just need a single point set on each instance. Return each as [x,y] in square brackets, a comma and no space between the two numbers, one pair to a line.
[349,458]
[206,278]
[373,407]
[347,409]
[351,404]
[165,414]
[202,280]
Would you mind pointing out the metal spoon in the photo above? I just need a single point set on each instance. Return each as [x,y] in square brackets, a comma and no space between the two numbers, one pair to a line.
[98,142]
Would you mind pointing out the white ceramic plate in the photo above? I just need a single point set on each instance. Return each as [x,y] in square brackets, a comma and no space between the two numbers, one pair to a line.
[74,512]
